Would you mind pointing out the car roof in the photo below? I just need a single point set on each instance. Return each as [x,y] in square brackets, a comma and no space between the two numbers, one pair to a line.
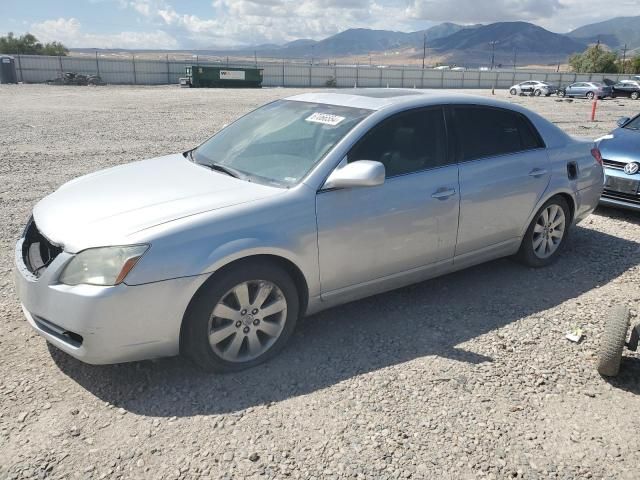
[380,98]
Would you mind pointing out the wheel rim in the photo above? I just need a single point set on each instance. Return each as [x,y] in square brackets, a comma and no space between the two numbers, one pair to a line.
[548,231]
[247,321]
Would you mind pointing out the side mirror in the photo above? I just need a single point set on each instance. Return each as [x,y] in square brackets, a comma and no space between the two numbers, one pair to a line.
[363,173]
[622,121]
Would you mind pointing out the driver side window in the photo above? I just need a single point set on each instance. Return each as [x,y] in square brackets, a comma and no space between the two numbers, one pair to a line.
[405,143]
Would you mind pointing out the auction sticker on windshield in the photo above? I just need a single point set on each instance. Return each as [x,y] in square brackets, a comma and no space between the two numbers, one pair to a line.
[325,119]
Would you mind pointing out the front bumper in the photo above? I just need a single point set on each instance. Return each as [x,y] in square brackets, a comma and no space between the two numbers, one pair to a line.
[102,325]
[621,190]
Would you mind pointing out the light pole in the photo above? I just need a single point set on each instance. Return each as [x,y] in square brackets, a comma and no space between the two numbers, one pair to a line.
[424,49]
[493,53]
[312,51]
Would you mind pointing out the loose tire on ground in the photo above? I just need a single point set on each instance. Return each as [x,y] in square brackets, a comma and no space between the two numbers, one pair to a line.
[613,340]
[198,320]
[529,253]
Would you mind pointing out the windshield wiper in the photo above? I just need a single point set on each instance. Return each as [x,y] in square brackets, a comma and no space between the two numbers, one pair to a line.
[224,169]
[218,167]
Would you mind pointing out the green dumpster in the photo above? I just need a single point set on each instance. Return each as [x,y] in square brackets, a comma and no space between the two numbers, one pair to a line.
[223,77]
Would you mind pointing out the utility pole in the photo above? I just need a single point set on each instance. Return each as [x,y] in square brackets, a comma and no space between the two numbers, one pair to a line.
[515,57]
[624,59]
[97,64]
[493,53]
[312,51]
[424,49]
[255,58]
[369,58]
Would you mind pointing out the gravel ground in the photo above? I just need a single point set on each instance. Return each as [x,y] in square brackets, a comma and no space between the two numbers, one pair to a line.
[401,385]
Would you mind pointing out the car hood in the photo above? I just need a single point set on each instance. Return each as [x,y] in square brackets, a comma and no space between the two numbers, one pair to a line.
[106,207]
[622,145]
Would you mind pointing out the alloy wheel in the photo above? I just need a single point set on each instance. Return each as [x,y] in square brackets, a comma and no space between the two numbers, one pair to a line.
[247,321]
[548,231]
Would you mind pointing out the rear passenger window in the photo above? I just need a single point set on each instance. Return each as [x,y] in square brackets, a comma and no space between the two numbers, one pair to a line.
[407,142]
[487,132]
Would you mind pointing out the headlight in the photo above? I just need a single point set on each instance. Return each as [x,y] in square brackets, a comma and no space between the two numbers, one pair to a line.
[102,266]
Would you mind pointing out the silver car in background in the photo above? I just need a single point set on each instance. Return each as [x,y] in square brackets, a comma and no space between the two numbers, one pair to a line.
[534,88]
[300,205]
[587,90]
[621,158]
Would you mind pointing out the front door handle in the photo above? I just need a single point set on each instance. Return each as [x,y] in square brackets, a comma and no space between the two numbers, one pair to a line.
[443,193]
[537,172]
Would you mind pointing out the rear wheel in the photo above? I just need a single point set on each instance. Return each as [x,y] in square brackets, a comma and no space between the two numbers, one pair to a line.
[635,95]
[590,95]
[613,340]
[242,317]
[561,93]
[546,235]
[537,93]
[513,91]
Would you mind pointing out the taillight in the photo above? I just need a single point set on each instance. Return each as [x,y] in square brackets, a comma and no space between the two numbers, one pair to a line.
[597,155]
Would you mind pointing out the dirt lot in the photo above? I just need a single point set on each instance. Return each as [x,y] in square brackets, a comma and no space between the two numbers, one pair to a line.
[465,376]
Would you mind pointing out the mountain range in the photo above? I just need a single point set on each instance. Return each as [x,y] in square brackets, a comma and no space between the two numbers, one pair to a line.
[468,44]
[510,43]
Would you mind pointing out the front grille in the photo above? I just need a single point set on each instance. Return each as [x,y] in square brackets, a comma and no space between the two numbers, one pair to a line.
[624,197]
[37,251]
[613,164]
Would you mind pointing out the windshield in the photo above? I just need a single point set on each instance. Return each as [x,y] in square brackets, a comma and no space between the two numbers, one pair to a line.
[279,142]
[633,124]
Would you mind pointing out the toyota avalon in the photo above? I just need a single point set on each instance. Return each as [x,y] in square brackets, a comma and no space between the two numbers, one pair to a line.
[305,203]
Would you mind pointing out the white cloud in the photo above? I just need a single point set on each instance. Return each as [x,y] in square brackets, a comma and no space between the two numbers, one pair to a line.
[70,32]
[236,23]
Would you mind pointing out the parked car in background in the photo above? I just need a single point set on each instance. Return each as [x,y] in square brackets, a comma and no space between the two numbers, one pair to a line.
[533,87]
[300,205]
[620,152]
[585,89]
[627,88]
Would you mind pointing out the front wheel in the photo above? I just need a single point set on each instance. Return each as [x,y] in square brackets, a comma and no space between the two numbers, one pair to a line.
[613,340]
[537,93]
[561,93]
[513,91]
[590,95]
[242,317]
[546,235]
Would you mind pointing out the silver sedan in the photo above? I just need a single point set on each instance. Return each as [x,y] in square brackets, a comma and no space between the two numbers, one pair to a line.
[300,205]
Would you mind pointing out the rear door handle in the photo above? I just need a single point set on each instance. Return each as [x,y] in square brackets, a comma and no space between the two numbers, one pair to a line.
[537,172]
[443,193]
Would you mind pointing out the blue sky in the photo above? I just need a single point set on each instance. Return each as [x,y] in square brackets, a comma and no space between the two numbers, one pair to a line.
[190,24]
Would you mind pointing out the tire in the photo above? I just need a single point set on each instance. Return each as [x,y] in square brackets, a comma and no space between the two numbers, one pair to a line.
[613,340]
[635,95]
[532,252]
[561,93]
[537,93]
[200,320]
[513,91]
[590,95]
